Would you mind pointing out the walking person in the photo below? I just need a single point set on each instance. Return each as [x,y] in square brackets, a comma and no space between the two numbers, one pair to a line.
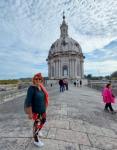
[77,83]
[80,83]
[61,84]
[65,84]
[108,98]
[35,106]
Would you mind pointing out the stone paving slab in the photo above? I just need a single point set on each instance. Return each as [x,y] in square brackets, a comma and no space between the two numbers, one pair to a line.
[82,147]
[52,133]
[77,126]
[14,143]
[11,126]
[72,136]
[62,124]
[89,128]
[103,142]
[114,127]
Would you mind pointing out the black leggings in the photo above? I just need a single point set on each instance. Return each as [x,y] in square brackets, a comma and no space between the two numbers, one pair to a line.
[38,124]
[108,105]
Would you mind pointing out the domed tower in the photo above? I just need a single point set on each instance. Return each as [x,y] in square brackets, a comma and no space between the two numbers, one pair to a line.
[65,58]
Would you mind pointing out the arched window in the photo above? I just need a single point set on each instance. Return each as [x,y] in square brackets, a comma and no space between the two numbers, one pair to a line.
[52,71]
[65,70]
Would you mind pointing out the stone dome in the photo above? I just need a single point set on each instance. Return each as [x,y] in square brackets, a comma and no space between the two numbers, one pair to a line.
[114,74]
[65,44]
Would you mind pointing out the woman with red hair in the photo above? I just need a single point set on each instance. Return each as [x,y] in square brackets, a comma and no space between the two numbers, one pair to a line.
[35,106]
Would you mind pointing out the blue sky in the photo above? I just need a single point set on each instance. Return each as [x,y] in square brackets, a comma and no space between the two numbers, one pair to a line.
[28,28]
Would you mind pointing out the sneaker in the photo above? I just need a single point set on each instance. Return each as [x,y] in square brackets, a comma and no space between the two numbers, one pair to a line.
[39,143]
[113,112]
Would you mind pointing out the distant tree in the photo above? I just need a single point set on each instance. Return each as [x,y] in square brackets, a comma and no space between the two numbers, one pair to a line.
[107,77]
[96,78]
[89,76]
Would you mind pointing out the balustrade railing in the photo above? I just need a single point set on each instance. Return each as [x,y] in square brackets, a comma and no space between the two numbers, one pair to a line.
[99,85]
[7,95]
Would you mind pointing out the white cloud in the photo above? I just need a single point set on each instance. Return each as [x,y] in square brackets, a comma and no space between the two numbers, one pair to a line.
[28,28]
[90,43]
[22,64]
[101,68]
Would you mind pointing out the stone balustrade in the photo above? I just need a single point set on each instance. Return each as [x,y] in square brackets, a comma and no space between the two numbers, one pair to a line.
[99,85]
[9,95]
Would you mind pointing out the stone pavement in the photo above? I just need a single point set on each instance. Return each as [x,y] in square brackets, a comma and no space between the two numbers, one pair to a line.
[75,121]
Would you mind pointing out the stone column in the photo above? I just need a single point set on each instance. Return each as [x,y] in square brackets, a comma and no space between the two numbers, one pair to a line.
[82,69]
[54,69]
[69,75]
[75,67]
[57,67]
[60,69]
[69,68]
[78,67]
[72,68]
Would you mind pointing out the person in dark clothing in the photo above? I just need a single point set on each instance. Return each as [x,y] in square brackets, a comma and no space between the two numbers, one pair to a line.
[74,83]
[61,84]
[80,83]
[36,103]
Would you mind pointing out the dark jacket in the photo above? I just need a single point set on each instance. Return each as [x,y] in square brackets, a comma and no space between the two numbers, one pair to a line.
[36,99]
[61,82]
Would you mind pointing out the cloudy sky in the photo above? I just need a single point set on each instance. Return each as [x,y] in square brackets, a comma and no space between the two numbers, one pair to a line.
[29,27]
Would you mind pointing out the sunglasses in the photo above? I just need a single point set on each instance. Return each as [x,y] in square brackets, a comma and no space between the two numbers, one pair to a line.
[37,79]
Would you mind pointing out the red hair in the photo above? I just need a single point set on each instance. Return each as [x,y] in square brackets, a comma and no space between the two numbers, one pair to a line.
[38,75]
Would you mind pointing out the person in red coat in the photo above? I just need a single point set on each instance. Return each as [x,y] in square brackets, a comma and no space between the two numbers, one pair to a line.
[108,98]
